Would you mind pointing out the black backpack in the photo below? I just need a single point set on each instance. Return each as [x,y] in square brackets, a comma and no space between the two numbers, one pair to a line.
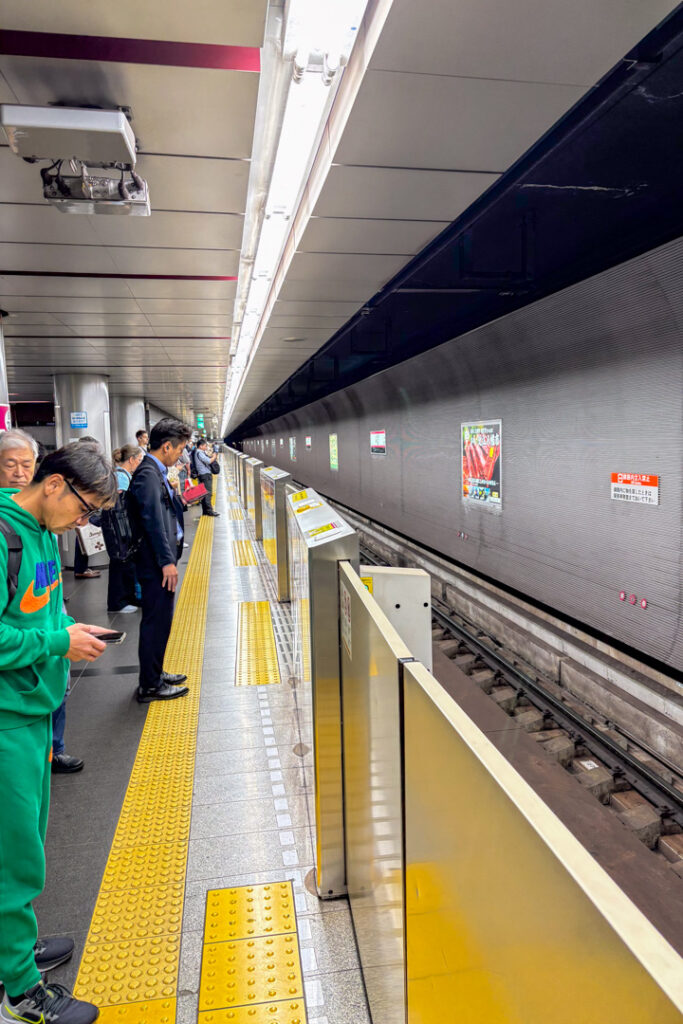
[15,549]
[120,538]
[194,468]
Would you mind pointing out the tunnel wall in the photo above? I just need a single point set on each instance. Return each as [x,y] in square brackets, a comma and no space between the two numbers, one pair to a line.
[587,382]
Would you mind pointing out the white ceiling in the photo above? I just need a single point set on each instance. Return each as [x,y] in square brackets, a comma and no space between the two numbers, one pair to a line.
[164,339]
[456,91]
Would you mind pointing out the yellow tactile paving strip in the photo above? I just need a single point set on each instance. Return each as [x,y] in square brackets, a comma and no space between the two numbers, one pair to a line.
[251,967]
[130,962]
[257,662]
[235,513]
[243,553]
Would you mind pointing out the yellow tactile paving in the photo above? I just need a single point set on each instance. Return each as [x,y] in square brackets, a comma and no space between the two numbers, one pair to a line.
[250,971]
[290,1011]
[155,1011]
[235,513]
[132,971]
[257,663]
[243,553]
[270,548]
[130,963]
[248,911]
[135,913]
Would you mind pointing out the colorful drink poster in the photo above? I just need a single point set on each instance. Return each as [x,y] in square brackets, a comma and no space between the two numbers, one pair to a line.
[481,448]
[334,453]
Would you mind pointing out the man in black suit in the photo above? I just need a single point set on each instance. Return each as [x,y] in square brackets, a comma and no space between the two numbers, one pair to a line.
[157,513]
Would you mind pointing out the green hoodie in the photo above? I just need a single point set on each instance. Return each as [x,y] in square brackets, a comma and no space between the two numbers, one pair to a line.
[33,636]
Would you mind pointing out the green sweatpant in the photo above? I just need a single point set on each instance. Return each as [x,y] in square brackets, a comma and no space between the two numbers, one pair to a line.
[24,802]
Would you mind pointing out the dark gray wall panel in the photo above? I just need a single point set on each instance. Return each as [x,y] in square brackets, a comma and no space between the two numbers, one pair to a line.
[587,382]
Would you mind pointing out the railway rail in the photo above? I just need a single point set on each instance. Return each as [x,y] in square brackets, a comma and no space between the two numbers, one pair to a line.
[642,788]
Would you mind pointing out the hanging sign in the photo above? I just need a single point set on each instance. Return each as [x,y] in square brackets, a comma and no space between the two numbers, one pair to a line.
[378,442]
[480,449]
[640,487]
[79,419]
[200,421]
[334,453]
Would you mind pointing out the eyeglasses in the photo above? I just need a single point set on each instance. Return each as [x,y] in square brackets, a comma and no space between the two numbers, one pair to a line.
[90,510]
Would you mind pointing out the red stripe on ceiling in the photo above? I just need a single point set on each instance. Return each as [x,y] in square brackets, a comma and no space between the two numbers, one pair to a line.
[120,337]
[130,51]
[115,277]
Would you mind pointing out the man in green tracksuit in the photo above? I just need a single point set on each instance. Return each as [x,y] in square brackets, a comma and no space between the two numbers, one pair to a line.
[36,638]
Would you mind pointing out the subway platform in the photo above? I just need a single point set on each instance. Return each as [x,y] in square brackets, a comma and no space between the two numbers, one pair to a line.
[181,859]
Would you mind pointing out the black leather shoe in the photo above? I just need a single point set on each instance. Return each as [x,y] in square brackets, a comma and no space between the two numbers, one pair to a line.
[174,678]
[163,692]
[50,953]
[213,515]
[63,764]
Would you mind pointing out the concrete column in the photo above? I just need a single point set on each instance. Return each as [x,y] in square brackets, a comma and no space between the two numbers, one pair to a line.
[82,408]
[127,417]
[5,422]
[81,398]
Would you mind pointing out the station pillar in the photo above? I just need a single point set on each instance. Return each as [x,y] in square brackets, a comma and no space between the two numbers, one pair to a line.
[5,422]
[127,417]
[82,408]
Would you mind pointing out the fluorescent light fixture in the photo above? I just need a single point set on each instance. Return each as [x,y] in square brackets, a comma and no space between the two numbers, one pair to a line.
[318,37]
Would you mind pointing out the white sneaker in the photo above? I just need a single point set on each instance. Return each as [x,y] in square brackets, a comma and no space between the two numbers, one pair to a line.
[128,608]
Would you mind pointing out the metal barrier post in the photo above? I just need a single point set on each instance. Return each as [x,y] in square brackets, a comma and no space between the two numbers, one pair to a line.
[318,540]
[252,470]
[274,525]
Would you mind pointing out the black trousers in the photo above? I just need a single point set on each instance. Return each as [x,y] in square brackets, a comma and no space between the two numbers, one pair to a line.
[80,560]
[155,626]
[121,584]
[207,480]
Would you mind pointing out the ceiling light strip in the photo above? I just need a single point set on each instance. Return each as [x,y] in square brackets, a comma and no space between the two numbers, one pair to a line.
[367,36]
[112,49]
[116,277]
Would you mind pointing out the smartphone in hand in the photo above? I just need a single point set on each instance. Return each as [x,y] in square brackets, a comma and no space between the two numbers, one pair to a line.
[114,636]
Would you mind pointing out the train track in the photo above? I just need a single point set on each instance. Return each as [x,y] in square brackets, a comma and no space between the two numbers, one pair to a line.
[641,787]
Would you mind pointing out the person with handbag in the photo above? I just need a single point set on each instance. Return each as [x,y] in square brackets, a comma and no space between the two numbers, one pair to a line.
[157,516]
[207,466]
[121,596]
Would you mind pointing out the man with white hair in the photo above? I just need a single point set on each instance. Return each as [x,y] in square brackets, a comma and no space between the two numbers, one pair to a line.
[18,456]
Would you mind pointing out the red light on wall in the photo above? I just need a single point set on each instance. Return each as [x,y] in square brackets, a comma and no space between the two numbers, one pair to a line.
[622,595]
[643,604]
[632,599]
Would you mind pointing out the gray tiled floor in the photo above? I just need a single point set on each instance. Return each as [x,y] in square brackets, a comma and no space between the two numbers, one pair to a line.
[253,800]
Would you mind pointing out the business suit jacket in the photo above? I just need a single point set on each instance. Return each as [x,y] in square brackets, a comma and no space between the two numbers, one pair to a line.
[156,517]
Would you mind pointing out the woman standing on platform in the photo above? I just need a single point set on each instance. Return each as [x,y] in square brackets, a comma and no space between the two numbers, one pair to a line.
[121,587]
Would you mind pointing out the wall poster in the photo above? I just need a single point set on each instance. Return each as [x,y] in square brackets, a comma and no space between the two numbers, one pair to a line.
[481,450]
[309,442]
[292,449]
[334,453]
[378,442]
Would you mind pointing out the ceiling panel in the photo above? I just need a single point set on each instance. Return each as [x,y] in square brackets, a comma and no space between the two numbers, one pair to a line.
[237,23]
[57,258]
[182,289]
[332,309]
[202,185]
[69,304]
[43,224]
[340,234]
[489,39]
[171,230]
[188,111]
[443,118]
[173,261]
[24,284]
[396,193]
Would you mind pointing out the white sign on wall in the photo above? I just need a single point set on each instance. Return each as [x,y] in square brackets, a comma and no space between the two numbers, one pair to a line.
[79,419]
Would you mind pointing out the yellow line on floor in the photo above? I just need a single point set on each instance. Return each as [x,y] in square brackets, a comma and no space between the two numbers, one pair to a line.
[130,962]
[251,965]
[243,552]
[257,662]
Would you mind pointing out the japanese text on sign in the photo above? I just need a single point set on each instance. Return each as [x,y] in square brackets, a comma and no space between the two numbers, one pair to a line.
[639,487]
[334,453]
[292,449]
[481,450]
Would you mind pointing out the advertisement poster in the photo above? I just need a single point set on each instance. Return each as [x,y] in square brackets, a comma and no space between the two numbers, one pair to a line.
[640,487]
[480,448]
[309,442]
[5,420]
[334,453]
[292,449]
[378,442]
